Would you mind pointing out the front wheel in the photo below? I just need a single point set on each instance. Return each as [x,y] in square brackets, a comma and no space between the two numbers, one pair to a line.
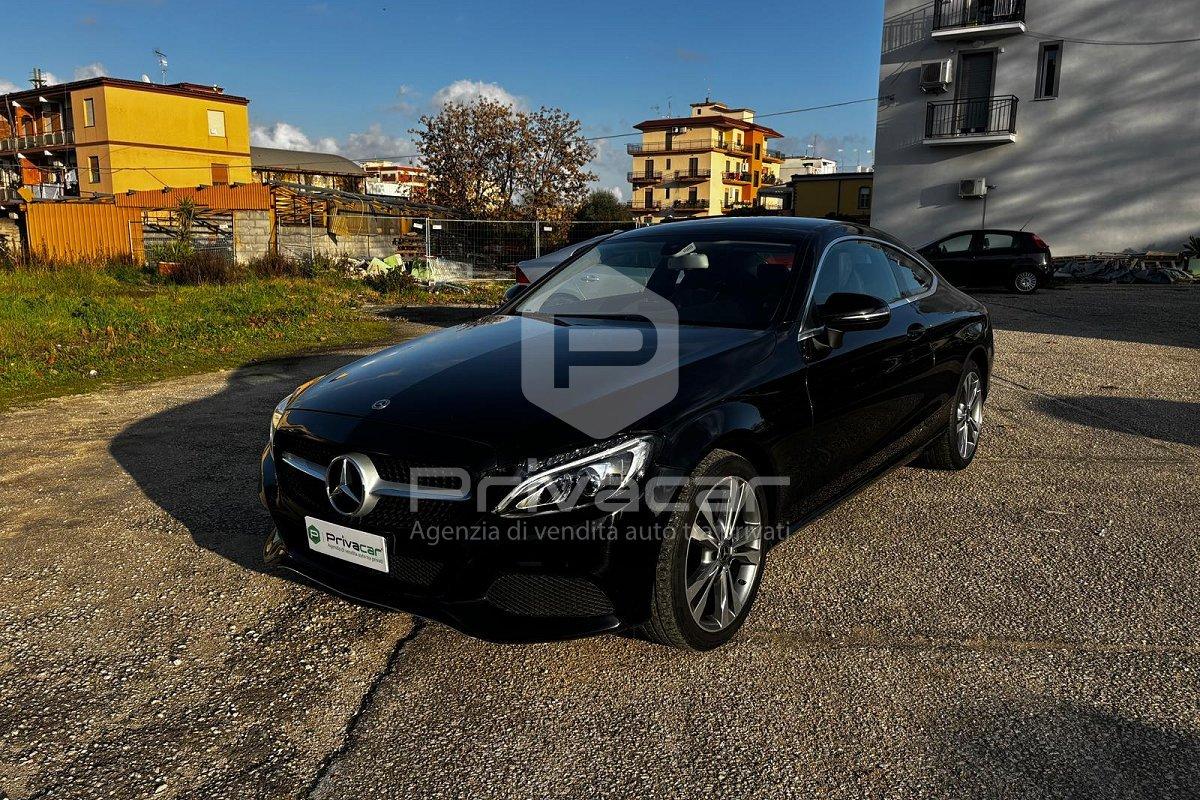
[956,447]
[712,556]
[1026,282]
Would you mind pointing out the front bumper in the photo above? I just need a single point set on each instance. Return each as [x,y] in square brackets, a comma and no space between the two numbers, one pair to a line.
[499,579]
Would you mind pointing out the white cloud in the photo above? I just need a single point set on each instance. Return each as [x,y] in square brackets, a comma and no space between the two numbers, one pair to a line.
[286,136]
[610,165]
[464,91]
[8,86]
[371,143]
[616,192]
[93,70]
[50,78]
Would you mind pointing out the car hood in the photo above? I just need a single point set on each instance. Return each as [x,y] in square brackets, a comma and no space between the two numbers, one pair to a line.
[465,382]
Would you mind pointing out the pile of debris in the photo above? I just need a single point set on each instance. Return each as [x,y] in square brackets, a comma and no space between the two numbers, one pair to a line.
[433,273]
[1125,268]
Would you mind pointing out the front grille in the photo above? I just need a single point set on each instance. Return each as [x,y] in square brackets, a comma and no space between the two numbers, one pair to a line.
[548,596]
[417,571]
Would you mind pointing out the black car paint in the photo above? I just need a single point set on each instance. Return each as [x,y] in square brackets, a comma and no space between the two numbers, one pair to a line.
[981,268]
[831,421]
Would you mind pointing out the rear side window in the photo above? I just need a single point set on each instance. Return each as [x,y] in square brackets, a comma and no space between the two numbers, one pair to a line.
[955,244]
[997,241]
[857,268]
[911,276]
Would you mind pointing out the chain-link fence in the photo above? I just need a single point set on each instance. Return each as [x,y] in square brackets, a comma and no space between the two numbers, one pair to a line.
[450,248]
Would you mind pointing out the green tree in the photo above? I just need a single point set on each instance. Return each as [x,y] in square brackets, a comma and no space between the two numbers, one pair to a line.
[603,206]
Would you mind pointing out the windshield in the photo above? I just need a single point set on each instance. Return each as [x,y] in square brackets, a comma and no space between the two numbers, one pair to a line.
[735,283]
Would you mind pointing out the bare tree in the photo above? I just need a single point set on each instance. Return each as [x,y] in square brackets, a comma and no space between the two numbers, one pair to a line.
[493,161]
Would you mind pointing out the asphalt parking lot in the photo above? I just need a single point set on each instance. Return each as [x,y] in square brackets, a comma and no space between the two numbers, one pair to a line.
[1025,628]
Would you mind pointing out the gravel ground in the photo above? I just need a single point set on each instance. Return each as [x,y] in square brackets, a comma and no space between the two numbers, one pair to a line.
[1025,628]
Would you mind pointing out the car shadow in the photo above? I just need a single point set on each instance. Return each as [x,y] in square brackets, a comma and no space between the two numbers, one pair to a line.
[199,461]
[1164,420]
[1066,750]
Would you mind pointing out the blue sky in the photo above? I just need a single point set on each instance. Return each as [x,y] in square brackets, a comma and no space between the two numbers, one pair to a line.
[355,76]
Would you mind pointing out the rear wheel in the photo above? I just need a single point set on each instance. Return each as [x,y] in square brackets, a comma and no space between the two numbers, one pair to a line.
[1025,282]
[712,556]
[956,447]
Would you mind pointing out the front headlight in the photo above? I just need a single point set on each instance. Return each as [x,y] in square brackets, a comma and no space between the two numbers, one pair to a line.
[610,473]
[282,405]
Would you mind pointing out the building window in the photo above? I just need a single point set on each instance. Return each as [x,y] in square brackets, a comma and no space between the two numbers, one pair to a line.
[864,198]
[216,123]
[220,174]
[668,164]
[756,179]
[758,151]
[94,169]
[89,112]
[1049,69]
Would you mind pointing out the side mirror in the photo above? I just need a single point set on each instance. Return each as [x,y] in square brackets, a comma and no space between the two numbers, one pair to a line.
[847,311]
[514,291]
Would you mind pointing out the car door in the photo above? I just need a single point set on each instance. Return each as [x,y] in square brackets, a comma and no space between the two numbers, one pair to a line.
[954,258]
[861,392]
[994,256]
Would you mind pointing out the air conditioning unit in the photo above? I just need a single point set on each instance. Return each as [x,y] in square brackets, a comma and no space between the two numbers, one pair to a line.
[936,76]
[972,188]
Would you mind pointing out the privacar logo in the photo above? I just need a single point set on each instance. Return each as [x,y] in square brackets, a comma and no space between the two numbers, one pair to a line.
[314,535]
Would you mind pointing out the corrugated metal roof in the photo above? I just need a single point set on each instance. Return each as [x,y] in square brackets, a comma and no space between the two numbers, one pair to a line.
[271,158]
[243,197]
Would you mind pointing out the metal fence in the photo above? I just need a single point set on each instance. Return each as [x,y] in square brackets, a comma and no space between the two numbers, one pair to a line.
[452,248]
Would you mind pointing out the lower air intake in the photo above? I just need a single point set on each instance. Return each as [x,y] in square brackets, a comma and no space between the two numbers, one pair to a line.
[548,596]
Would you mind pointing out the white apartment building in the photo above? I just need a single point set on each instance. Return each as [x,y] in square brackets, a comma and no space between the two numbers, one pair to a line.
[1070,118]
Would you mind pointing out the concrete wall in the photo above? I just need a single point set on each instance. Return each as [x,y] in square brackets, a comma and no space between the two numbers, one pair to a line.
[1112,164]
[296,241]
[251,235]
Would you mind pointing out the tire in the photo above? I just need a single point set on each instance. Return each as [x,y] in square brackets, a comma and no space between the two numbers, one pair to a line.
[1026,281]
[947,451]
[687,552]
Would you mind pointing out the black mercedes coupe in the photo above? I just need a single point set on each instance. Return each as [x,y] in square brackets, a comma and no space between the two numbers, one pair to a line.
[621,443]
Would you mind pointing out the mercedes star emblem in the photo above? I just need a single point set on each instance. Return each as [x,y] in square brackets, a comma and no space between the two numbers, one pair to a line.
[349,482]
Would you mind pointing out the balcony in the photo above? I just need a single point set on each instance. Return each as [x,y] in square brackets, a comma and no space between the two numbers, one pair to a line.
[689,206]
[974,19]
[738,148]
[645,208]
[37,141]
[691,175]
[976,120]
[644,177]
[738,178]
[773,155]
[671,146]
[769,179]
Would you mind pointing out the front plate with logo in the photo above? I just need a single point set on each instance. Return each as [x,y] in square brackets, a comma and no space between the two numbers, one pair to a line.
[357,547]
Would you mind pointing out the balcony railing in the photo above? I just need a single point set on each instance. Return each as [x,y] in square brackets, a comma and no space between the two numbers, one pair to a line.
[774,155]
[672,146]
[645,177]
[769,179]
[689,175]
[690,205]
[37,140]
[734,147]
[951,14]
[736,177]
[645,208]
[971,120]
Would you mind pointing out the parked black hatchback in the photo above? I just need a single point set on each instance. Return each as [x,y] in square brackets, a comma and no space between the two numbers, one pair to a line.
[1017,260]
[808,358]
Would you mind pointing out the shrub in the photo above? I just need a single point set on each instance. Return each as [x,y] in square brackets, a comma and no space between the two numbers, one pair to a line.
[391,282]
[204,266]
[175,250]
[277,265]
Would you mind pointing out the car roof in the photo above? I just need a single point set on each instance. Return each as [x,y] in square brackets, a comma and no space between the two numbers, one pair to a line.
[981,230]
[767,227]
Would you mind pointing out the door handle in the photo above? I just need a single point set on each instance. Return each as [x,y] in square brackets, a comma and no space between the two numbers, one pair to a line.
[917,331]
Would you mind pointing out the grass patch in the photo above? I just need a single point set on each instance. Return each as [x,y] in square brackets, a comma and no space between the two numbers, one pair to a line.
[59,326]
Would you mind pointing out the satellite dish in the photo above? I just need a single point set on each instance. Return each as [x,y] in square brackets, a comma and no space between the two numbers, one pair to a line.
[146,78]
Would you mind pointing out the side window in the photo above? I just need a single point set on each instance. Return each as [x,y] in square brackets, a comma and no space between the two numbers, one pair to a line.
[955,245]
[997,241]
[857,268]
[911,276]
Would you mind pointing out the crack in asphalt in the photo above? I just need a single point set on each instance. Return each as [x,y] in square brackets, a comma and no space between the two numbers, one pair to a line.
[364,703]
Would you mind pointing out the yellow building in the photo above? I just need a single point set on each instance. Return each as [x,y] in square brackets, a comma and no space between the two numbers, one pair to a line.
[107,135]
[705,164]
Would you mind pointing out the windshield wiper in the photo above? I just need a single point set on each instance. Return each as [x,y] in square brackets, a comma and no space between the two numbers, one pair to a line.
[622,317]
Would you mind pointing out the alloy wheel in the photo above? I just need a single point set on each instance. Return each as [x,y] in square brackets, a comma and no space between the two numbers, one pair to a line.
[968,415]
[724,553]
[1025,281]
